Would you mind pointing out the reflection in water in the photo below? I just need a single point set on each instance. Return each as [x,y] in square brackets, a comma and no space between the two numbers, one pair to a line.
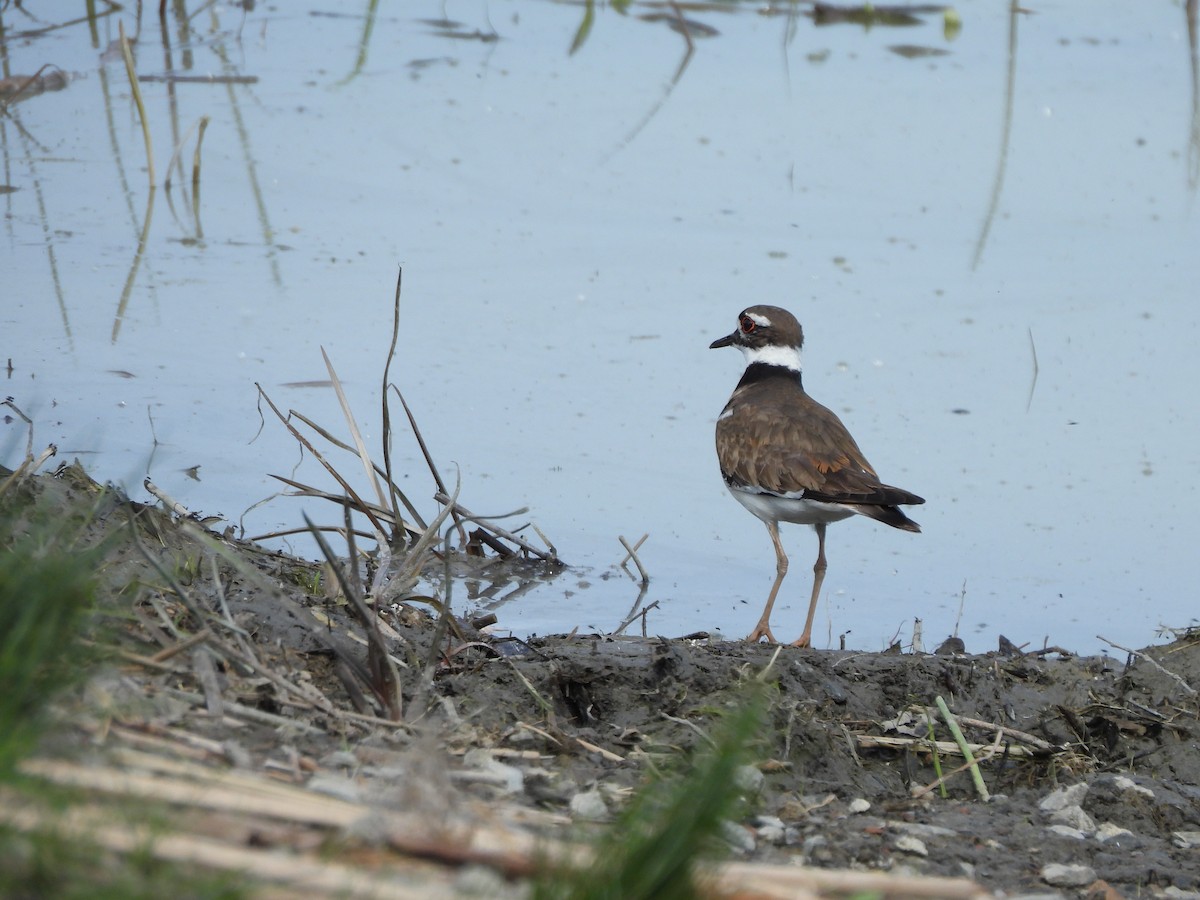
[1005,133]
[1193,151]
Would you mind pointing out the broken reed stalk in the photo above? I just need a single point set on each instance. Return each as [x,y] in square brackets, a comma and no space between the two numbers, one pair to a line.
[201,125]
[976,775]
[127,55]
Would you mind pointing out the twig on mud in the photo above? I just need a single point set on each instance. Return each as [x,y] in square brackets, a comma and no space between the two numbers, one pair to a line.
[459,509]
[547,735]
[850,745]
[631,553]
[543,704]
[187,644]
[238,711]
[976,775]
[878,741]
[1154,662]
[1023,736]
[592,748]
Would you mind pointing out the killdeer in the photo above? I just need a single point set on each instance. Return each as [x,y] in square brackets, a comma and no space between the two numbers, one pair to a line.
[787,458]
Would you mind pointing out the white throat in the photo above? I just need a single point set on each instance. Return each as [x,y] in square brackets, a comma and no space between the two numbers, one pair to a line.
[773,355]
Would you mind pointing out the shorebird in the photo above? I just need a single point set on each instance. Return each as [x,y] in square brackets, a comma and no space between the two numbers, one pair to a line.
[787,458]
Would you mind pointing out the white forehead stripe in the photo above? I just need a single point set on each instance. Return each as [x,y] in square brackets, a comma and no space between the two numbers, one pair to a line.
[773,355]
[759,320]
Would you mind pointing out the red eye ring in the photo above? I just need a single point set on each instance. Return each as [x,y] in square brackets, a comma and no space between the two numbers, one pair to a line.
[747,324]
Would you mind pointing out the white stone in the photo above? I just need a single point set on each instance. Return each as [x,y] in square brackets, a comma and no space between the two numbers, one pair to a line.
[858,805]
[1063,797]
[1061,875]
[909,844]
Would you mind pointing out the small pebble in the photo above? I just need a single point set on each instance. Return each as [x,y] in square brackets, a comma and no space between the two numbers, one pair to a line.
[1186,840]
[1061,875]
[858,805]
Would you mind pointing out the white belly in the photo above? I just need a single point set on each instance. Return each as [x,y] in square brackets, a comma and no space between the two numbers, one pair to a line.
[797,510]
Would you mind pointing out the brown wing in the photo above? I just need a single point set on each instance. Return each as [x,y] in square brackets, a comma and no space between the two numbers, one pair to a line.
[786,442]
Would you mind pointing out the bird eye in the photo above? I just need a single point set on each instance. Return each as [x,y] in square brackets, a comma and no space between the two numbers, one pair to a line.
[748,325]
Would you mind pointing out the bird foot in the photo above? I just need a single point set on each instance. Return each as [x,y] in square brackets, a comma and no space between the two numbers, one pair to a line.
[805,640]
[761,630]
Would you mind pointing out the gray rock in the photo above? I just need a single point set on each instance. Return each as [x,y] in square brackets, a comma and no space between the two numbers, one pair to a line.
[335,786]
[1068,831]
[738,837]
[1062,875]
[749,779]
[1065,796]
[1108,831]
[770,829]
[588,806]
[1120,782]
[1074,817]
[1186,840]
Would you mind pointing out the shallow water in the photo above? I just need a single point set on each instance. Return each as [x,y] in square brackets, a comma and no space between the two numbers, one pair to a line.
[993,252]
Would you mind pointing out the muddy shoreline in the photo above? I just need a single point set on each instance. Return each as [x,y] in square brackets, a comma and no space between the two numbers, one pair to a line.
[235,663]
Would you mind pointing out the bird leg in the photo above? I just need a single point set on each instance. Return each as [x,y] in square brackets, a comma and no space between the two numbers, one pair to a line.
[805,640]
[763,628]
